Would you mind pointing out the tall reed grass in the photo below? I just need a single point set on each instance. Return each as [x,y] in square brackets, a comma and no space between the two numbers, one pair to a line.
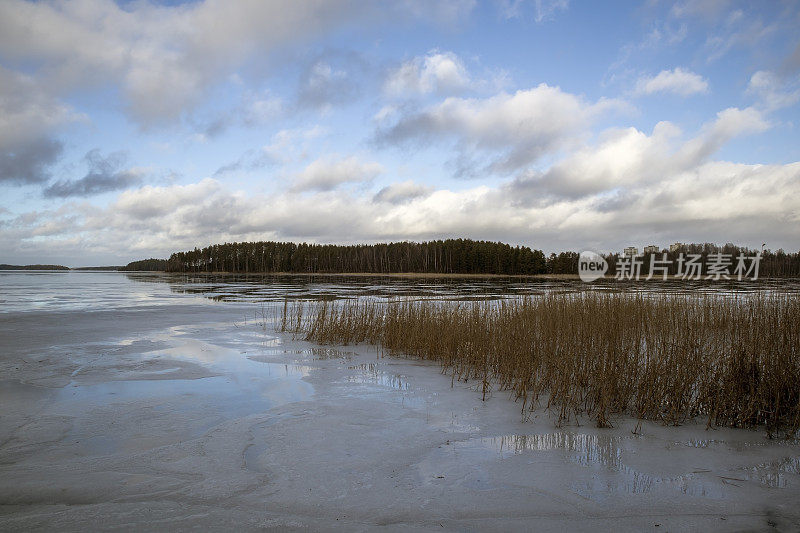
[728,361]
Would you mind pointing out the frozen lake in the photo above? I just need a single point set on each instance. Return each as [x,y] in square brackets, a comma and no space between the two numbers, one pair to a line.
[162,401]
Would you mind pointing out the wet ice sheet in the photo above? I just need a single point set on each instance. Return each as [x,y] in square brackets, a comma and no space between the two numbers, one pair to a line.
[190,413]
[272,288]
[616,464]
[27,291]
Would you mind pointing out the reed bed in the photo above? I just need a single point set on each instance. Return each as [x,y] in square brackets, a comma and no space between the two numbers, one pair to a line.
[727,361]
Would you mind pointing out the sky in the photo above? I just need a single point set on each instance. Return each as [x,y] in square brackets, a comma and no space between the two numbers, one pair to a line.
[134,129]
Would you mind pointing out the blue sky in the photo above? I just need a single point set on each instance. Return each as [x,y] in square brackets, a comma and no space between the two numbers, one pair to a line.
[130,130]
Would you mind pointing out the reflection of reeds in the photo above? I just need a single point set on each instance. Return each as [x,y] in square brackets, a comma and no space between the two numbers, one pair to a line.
[732,361]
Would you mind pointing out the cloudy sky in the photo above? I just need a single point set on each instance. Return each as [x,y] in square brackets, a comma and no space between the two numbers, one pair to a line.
[135,129]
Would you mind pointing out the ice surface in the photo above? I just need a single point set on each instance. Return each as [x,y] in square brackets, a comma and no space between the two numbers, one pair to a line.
[160,409]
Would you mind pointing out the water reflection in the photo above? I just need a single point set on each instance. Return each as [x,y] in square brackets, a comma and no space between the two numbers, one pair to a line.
[775,474]
[267,288]
[76,290]
[370,374]
[607,453]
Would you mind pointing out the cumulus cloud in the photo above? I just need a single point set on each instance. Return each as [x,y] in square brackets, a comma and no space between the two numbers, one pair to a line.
[151,202]
[27,117]
[105,175]
[715,200]
[513,129]
[626,160]
[326,174]
[623,157]
[441,72]
[677,81]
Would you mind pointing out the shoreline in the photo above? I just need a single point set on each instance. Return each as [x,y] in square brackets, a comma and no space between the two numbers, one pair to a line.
[412,275]
[452,275]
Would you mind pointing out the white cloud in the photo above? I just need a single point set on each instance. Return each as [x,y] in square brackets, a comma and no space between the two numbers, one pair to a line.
[772,91]
[628,160]
[326,174]
[151,202]
[441,72]
[676,81]
[514,129]
[729,123]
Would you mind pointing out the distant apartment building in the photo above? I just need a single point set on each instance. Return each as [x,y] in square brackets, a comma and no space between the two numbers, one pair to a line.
[675,247]
[631,251]
[652,249]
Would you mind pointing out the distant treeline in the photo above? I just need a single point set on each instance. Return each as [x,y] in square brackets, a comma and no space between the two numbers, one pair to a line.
[99,268]
[452,256]
[146,264]
[461,256]
[154,265]
[33,267]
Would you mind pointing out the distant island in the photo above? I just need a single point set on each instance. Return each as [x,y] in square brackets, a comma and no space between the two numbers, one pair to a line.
[33,267]
[151,265]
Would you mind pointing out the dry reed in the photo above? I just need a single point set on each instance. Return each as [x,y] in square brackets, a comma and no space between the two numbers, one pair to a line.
[729,361]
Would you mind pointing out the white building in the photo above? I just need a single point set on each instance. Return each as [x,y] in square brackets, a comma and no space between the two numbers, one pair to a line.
[675,247]
[631,251]
[652,249]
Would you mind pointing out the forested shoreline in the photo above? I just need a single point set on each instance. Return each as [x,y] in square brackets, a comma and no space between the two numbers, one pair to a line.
[457,256]
[150,265]
[451,256]
[32,267]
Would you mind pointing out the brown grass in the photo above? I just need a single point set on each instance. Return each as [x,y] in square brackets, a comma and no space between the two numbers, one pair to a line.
[729,361]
